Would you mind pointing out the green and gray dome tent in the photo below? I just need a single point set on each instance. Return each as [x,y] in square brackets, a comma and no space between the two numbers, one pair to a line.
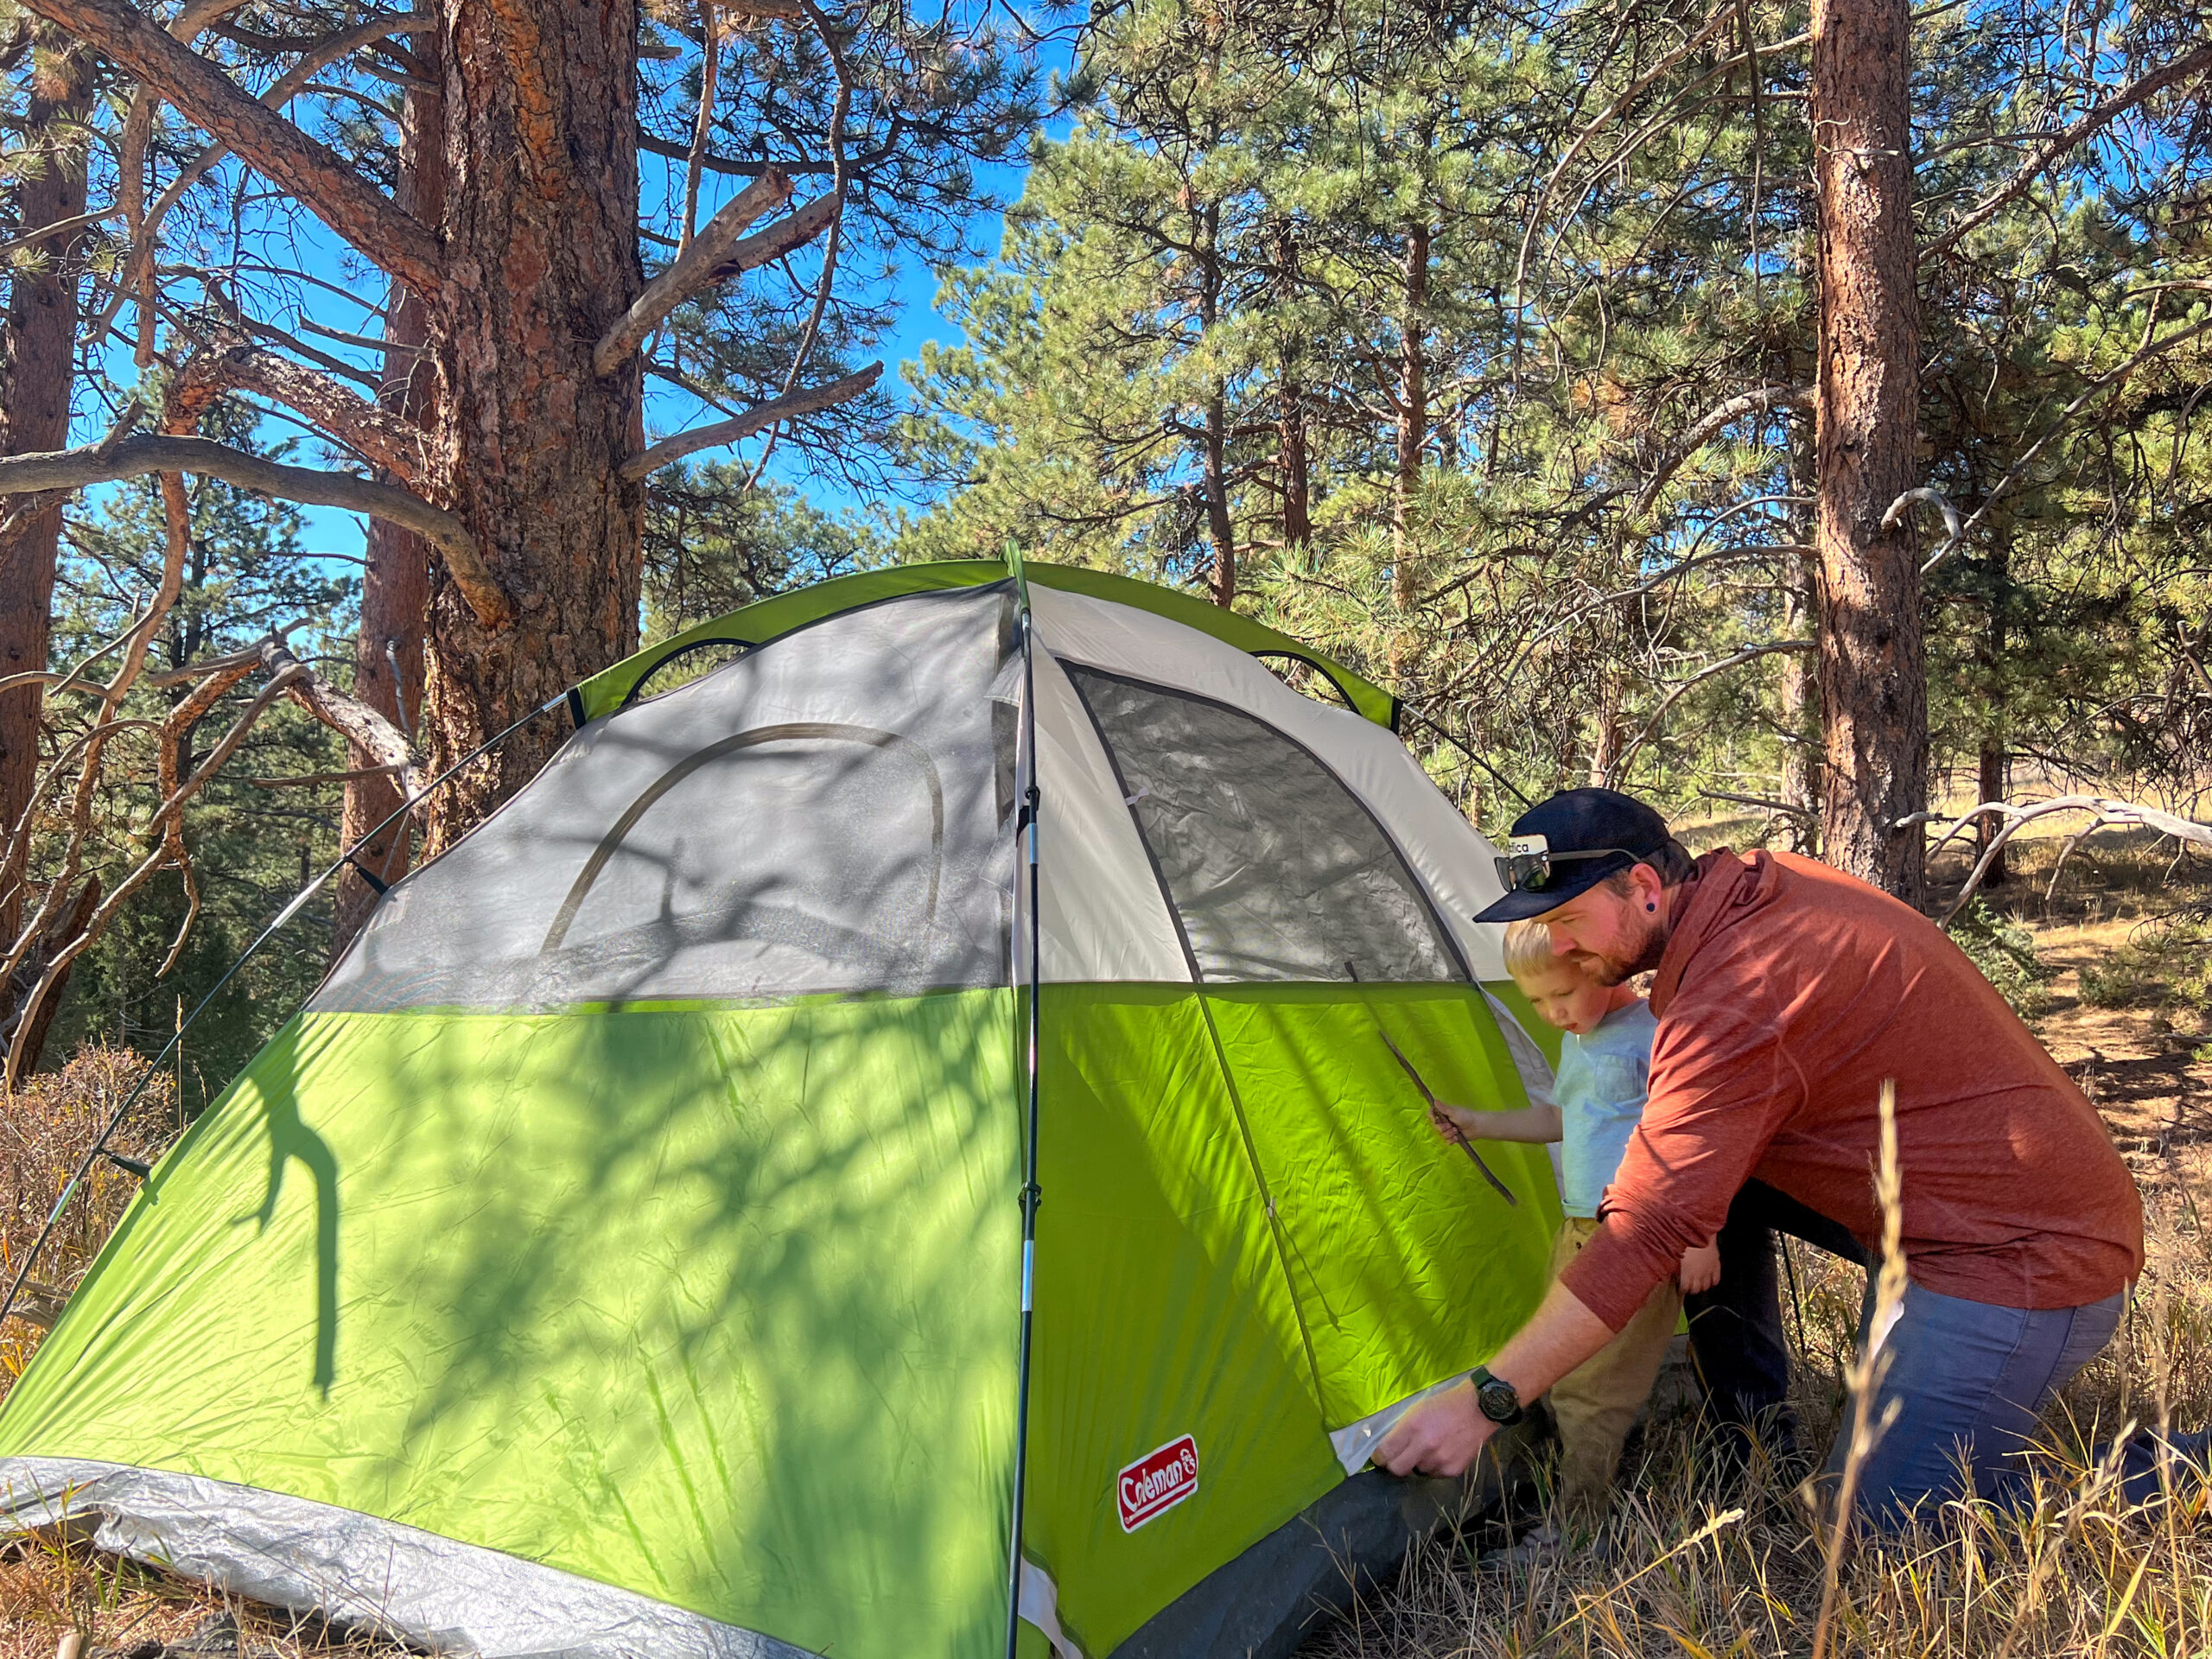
[621,1254]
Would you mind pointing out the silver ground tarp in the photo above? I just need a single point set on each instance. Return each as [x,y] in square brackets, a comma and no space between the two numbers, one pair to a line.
[356,1570]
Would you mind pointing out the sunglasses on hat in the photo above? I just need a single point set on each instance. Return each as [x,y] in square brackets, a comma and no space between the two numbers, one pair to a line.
[1528,867]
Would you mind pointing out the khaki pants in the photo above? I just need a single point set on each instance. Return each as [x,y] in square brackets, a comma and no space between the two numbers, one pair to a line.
[1596,1404]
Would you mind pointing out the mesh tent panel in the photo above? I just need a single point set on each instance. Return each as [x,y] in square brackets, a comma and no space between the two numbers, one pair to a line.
[825,814]
[1275,869]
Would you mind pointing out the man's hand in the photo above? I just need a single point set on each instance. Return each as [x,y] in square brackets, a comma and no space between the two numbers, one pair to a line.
[1701,1269]
[1442,1435]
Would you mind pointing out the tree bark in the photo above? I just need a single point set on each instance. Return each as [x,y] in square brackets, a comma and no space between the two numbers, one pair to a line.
[1220,527]
[1873,671]
[41,375]
[540,234]
[1412,418]
[395,582]
[1799,694]
[1294,462]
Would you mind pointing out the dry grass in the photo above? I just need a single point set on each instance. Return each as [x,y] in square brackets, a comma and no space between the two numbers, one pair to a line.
[44,1130]
[117,1607]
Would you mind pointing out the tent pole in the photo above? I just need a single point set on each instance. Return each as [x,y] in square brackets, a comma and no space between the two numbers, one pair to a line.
[1030,1193]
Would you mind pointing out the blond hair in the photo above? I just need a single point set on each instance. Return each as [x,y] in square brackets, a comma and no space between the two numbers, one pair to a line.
[1527,949]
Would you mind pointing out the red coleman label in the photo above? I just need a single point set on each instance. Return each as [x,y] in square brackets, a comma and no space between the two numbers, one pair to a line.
[1157,1482]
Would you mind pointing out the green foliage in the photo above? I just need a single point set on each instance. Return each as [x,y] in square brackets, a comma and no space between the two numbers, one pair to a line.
[2005,952]
[714,542]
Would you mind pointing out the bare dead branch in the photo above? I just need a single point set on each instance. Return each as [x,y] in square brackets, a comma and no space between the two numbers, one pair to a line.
[61,227]
[795,229]
[1675,693]
[745,425]
[303,167]
[75,468]
[305,778]
[361,725]
[2106,813]
[690,270]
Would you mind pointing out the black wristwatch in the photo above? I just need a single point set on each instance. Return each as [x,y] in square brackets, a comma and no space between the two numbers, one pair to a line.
[1495,1397]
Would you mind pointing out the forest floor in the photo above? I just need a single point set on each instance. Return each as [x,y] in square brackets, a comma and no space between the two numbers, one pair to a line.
[2120,991]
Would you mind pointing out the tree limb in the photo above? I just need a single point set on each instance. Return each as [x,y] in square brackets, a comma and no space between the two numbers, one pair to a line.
[690,270]
[2058,144]
[75,468]
[377,737]
[2105,812]
[326,184]
[794,230]
[1734,659]
[745,425]
[385,438]
[1713,422]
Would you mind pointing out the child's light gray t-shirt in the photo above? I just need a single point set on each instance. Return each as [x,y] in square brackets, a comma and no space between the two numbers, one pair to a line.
[1603,1080]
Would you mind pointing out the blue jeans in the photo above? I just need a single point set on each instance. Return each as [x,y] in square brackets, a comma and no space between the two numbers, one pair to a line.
[1969,1381]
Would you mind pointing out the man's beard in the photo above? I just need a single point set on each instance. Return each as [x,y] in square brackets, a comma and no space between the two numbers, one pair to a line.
[1618,970]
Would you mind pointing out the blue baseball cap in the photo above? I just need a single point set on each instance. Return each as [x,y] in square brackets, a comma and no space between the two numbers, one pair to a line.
[1567,845]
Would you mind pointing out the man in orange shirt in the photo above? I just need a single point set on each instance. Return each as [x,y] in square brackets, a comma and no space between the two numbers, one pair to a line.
[1788,994]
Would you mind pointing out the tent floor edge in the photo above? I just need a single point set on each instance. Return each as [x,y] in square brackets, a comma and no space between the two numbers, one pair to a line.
[1267,1601]
[358,1571]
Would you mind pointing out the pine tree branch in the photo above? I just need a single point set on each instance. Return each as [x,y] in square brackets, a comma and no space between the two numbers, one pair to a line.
[1710,425]
[795,229]
[387,438]
[690,270]
[326,184]
[75,468]
[2181,69]
[745,425]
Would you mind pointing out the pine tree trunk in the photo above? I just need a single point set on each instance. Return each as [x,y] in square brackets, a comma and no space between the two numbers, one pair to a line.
[395,583]
[1412,419]
[1873,671]
[540,243]
[1296,464]
[41,375]
[1220,527]
[1799,692]
[1995,783]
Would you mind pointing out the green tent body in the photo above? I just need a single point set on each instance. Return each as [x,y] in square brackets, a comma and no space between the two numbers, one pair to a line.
[622,1253]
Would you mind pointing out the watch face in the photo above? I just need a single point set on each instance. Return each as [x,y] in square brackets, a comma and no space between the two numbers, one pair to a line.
[1498,1401]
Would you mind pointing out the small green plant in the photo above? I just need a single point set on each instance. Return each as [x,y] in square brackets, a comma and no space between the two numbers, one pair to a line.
[2005,952]
[2165,966]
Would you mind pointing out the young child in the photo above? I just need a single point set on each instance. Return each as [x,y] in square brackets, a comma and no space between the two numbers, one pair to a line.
[1604,1070]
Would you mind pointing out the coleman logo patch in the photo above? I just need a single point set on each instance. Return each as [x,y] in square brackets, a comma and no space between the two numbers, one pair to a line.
[1157,1482]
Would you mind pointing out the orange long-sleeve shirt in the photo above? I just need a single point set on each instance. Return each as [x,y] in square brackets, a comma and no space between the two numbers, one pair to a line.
[1789,992]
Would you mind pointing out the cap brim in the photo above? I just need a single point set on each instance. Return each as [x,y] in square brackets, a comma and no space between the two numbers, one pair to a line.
[1521,904]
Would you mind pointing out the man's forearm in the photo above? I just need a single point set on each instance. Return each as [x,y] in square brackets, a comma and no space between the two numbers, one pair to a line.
[1559,1335]
[1444,1433]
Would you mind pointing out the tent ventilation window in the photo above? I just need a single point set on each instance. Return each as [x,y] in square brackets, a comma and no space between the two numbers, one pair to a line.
[1275,869]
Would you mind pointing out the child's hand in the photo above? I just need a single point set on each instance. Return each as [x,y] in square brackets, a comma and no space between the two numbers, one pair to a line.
[1701,1269]
[1454,1123]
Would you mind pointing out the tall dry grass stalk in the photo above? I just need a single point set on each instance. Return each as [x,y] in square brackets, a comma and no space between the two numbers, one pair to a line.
[1868,1370]
[1690,1563]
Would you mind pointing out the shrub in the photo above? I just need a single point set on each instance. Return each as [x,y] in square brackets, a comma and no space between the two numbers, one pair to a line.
[2005,952]
[2165,965]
